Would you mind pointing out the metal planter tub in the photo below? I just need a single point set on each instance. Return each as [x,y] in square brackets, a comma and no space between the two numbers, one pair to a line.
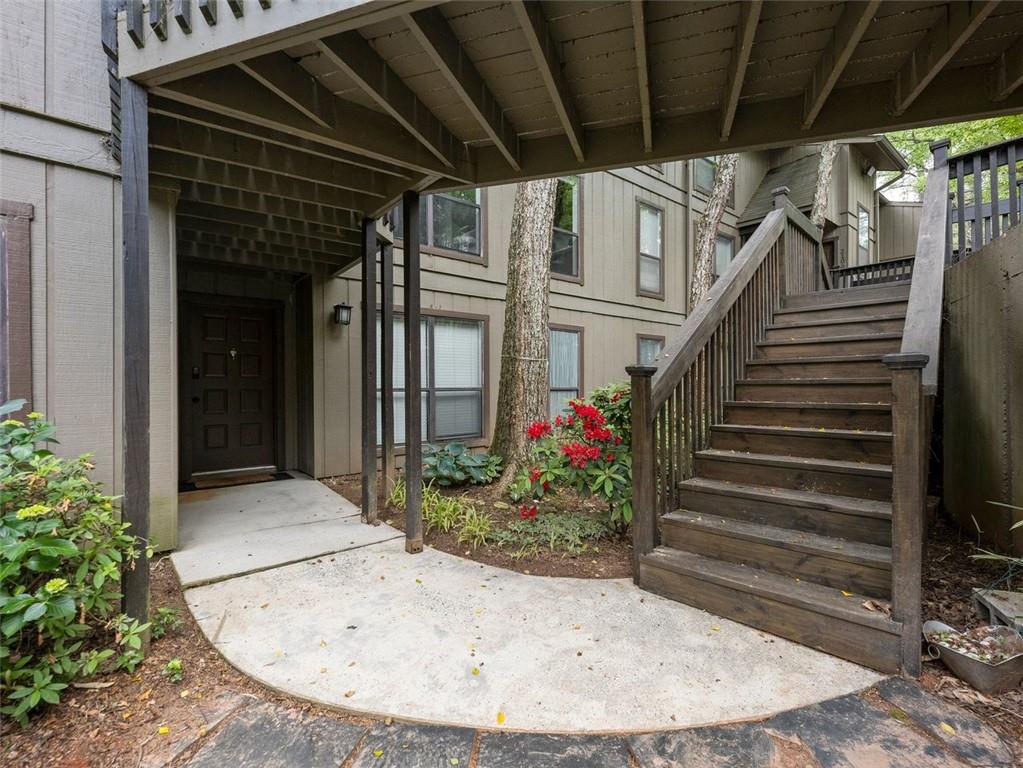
[985,677]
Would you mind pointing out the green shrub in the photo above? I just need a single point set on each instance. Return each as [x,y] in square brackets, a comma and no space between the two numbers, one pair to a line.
[62,549]
[441,512]
[396,497]
[614,401]
[477,528]
[559,532]
[454,464]
[165,620]
[173,670]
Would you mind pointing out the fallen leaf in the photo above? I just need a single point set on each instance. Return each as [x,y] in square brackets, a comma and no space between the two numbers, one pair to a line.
[453,761]
[164,730]
[500,718]
[323,643]
[349,694]
[264,605]
[847,594]
[947,728]
[475,670]
[715,628]
[378,753]
[897,714]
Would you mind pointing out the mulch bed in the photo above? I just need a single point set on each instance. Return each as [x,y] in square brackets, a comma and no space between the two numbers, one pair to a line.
[610,558]
[117,726]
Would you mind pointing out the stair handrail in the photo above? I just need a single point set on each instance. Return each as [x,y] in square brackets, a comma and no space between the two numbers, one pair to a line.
[914,372]
[678,398]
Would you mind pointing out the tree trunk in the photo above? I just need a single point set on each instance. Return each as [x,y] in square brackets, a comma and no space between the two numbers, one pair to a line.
[522,390]
[707,229]
[820,195]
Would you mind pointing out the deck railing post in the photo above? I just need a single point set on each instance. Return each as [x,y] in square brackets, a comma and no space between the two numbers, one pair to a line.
[909,496]
[369,371]
[413,380]
[939,154]
[781,199]
[387,466]
[644,462]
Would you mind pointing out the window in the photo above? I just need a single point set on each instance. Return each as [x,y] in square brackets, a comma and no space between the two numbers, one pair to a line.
[15,303]
[724,252]
[704,171]
[651,250]
[448,221]
[452,379]
[863,234]
[565,368]
[565,245]
[648,348]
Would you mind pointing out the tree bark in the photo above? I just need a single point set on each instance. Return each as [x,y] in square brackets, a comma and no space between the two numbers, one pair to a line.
[707,228]
[820,194]
[522,390]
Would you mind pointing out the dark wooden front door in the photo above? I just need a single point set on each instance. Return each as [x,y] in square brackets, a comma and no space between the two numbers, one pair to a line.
[230,369]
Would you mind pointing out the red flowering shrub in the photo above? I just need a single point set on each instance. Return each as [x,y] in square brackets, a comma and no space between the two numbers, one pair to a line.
[587,450]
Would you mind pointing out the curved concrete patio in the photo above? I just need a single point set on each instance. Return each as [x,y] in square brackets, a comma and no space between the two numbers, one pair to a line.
[440,639]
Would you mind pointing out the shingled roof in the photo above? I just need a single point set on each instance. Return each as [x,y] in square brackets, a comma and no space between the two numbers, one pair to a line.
[800,176]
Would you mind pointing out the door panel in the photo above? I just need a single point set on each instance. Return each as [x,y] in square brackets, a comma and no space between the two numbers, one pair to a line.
[231,387]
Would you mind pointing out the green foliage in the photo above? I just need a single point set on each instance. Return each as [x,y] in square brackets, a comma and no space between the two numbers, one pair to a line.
[62,549]
[559,532]
[913,143]
[1009,560]
[173,670]
[397,496]
[614,401]
[454,464]
[441,512]
[165,620]
[477,528]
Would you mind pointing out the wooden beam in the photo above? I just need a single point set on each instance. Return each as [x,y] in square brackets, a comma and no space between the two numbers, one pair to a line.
[353,128]
[286,78]
[136,26]
[353,55]
[258,246]
[208,9]
[237,8]
[183,15]
[204,117]
[545,53]
[188,168]
[198,141]
[368,315]
[135,338]
[188,249]
[337,248]
[433,34]
[158,18]
[957,23]
[851,26]
[745,31]
[642,72]
[314,227]
[388,468]
[413,380]
[1008,70]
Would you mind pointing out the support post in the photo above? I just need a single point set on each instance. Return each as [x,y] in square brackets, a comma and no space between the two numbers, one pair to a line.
[135,266]
[413,378]
[387,370]
[644,461]
[369,371]
[780,195]
[909,499]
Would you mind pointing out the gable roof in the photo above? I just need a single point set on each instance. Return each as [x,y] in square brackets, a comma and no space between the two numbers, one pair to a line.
[800,176]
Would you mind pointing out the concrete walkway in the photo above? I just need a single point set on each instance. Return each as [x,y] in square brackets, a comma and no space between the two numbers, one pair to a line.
[439,639]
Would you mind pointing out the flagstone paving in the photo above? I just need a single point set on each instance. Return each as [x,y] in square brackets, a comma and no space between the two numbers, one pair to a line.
[846,732]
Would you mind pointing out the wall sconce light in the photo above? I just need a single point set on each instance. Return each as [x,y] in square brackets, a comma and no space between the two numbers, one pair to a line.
[342,314]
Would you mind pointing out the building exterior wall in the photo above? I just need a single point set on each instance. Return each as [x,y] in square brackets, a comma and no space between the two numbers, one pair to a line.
[982,364]
[898,228]
[54,126]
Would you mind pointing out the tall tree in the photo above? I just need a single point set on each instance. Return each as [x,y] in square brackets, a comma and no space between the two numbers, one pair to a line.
[522,390]
[829,149]
[707,228]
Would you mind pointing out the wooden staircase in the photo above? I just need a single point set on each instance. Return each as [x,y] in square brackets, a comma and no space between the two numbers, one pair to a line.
[786,521]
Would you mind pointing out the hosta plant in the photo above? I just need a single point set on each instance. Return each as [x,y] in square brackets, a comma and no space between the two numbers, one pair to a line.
[62,549]
[455,464]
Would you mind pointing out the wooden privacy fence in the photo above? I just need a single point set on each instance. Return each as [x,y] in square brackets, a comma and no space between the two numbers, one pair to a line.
[986,197]
[675,401]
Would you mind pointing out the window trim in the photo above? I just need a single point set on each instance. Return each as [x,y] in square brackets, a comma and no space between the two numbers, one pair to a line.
[735,252]
[577,279]
[484,438]
[862,253]
[16,304]
[582,356]
[640,204]
[641,337]
[447,253]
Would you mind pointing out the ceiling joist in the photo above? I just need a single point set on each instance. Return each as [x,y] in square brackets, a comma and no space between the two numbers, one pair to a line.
[253,220]
[852,25]
[350,53]
[1008,71]
[745,31]
[548,63]
[433,34]
[188,249]
[957,23]
[270,237]
[286,78]
[256,246]
[642,72]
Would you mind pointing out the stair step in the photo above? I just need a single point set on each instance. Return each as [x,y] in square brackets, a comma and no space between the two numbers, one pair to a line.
[861,294]
[842,478]
[823,328]
[845,517]
[856,390]
[865,416]
[845,565]
[817,616]
[840,311]
[839,366]
[833,345]
[840,444]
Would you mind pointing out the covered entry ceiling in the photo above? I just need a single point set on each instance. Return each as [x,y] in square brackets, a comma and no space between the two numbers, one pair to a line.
[285,121]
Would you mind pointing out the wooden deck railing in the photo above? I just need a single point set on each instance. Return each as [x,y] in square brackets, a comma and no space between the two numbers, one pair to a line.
[676,400]
[890,271]
[989,203]
[914,388]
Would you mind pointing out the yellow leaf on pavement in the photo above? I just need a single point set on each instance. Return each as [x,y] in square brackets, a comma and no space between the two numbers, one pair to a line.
[947,728]
[500,718]
[164,730]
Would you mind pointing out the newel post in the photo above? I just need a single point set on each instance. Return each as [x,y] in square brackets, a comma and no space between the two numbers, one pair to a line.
[939,156]
[781,199]
[644,485]
[909,496]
